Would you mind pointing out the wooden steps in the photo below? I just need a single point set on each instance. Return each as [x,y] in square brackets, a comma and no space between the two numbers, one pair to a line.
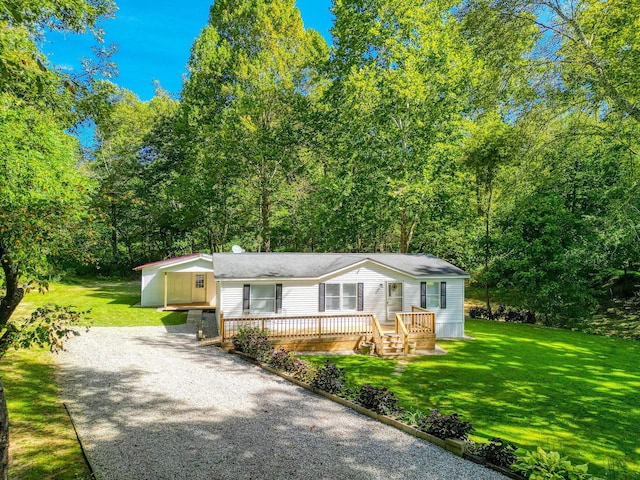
[392,346]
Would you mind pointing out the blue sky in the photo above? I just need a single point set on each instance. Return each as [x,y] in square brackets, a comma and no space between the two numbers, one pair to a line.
[155,38]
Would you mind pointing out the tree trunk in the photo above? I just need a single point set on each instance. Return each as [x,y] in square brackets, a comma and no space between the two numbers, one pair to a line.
[265,212]
[8,304]
[114,234]
[487,246]
[14,293]
[4,436]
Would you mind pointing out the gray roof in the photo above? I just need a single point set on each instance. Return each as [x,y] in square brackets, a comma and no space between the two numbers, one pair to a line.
[316,265]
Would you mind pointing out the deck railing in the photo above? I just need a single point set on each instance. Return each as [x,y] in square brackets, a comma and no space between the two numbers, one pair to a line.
[377,334]
[295,326]
[419,320]
[401,330]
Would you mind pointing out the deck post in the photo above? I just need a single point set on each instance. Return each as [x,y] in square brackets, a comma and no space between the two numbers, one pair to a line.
[319,327]
[221,324]
[165,289]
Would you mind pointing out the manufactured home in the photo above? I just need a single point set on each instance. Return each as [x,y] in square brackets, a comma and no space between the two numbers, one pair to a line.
[314,294]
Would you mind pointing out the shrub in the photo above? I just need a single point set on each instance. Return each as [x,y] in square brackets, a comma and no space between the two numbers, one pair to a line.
[286,361]
[303,371]
[281,359]
[330,378]
[541,465]
[477,312]
[415,418]
[507,314]
[380,400]
[499,452]
[253,342]
[447,426]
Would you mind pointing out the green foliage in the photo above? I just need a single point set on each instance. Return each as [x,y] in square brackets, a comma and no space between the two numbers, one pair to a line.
[415,418]
[48,326]
[253,342]
[541,465]
[330,378]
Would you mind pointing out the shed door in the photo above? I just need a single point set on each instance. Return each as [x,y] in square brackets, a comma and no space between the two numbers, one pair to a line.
[199,290]
[394,300]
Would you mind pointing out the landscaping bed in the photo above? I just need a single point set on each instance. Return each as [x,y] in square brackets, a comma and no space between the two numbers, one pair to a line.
[383,402]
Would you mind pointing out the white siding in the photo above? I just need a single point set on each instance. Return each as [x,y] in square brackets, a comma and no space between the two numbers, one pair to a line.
[152,287]
[179,282]
[300,297]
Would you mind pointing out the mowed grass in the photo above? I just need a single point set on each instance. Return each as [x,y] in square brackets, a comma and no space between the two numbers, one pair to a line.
[112,303]
[43,444]
[567,391]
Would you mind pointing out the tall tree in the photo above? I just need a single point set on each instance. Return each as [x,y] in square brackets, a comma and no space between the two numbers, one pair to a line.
[490,146]
[401,76]
[41,190]
[251,77]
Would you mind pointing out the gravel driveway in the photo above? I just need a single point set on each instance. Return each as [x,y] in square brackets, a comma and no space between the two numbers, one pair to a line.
[149,403]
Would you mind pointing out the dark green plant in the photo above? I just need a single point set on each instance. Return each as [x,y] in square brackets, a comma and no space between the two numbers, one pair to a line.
[281,359]
[253,342]
[330,378]
[285,360]
[447,426]
[499,452]
[541,465]
[380,400]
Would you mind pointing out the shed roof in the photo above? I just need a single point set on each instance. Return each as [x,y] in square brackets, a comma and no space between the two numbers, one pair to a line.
[176,260]
[316,265]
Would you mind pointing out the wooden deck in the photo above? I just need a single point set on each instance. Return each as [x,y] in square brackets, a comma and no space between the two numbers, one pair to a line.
[182,307]
[339,332]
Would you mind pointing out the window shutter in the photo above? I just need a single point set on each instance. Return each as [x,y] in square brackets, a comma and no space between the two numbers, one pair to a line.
[278,297]
[443,294]
[321,297]
[360,297]
[246,294]
[423,294]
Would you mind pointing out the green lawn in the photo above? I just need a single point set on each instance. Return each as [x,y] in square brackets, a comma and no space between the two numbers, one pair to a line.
[43,442]
[112,303]
[562,390]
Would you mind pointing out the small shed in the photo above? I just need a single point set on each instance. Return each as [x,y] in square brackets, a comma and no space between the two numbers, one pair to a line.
[181,281]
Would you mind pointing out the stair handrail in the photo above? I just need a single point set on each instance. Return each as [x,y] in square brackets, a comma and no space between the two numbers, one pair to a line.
[377,333]
[401,327]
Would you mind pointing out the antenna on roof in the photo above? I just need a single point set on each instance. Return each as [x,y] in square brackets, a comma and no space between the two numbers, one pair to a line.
[237,249]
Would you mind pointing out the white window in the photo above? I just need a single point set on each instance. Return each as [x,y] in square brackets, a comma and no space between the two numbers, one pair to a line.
[433,294]
[349,296]
[263,298]
[341,296]
[199,280]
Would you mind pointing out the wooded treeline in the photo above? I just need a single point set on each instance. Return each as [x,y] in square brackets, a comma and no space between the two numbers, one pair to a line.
[499,135]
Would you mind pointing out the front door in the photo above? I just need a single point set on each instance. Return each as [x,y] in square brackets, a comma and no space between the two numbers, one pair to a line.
[394,300]
[199,290]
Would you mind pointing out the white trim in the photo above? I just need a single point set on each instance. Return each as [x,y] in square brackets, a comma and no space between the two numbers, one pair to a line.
[169,263]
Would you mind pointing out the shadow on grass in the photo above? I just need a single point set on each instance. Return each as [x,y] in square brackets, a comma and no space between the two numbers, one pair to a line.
[42,440]
[535,386]
[150,422]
